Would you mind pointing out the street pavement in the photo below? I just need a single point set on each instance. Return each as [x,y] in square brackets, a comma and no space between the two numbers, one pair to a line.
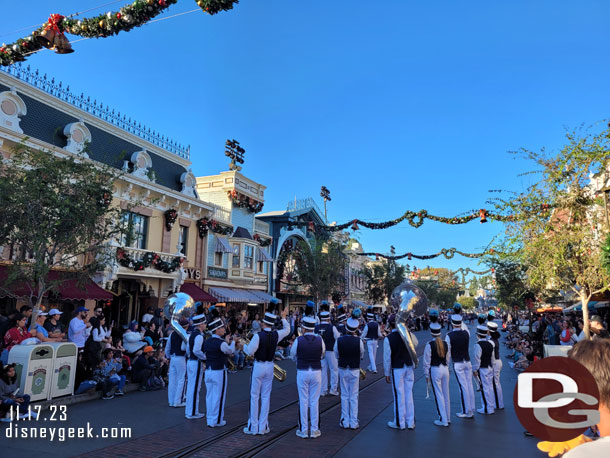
[159,430]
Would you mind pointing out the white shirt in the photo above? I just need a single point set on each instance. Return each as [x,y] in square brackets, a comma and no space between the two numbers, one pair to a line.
[251,348]
[147,317]
[293,349]
[428,358]
[596,449]
[365,332]
[198,347]
[336,349]
[78,332]
[478,351]
[225,347]
[100,334]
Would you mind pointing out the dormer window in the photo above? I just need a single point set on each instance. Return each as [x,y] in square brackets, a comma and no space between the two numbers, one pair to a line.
[78,136]
[141,165]
[189,182]
[12,107]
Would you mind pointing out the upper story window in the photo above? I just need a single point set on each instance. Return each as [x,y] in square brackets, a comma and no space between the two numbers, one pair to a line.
[236,254]
[218,258]
[248,257]
[136,229]
[183,239]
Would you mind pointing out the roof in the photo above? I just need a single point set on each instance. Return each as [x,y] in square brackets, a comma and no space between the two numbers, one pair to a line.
[242,233]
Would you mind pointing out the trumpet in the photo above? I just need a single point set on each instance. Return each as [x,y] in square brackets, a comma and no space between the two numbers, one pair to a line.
[362,374]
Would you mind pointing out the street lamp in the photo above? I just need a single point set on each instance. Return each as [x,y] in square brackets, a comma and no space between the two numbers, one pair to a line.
[325,194]
[236,153]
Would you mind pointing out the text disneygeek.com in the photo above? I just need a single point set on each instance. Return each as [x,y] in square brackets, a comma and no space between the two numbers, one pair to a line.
[61,433]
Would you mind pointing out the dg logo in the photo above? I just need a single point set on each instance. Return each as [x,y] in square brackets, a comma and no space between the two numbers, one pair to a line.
[556,399]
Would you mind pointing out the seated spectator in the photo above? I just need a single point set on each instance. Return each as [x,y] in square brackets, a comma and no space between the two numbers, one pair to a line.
[111,369]
[82,383]
[93,348]
[103,382]
[15,335]
[132,339]
[27,311]
[54,327]
[152,334]
[144,367]
[163,362]
[41,333]
[9,394]
[148,315]
[565,337]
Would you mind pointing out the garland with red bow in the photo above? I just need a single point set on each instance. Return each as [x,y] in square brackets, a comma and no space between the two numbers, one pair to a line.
[205,224]
[149,259]
[52,34]
[448,253]
[243,201]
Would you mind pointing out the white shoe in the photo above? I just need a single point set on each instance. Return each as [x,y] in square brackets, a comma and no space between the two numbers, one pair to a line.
[194,417]
[411,427]
[315,433]
[440,423]
[334,393]
[182,404]
[393,425]
[302,434]
[324,394]
[265,431]
[218,425]
[6,418]
[247,431]
[482,411]
[463,415]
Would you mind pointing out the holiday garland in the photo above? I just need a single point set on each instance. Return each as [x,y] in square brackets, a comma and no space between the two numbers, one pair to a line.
[171,216]
[149,259]
[204,225]
[52,33]
[263,242]
[448,253]
[243,201]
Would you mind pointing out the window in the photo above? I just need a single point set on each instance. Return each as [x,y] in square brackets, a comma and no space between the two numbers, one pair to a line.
[236,262]
[183,238]
[261,267]
[248,257]
[218,259]
[136,228]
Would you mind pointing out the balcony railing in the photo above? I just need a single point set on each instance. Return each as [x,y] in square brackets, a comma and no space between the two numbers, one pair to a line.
[48,85]
[137,254]
[221,214]
[261,227]
[304,204]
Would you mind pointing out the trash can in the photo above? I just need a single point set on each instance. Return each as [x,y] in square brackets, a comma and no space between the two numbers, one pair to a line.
[34,369]
[64,369]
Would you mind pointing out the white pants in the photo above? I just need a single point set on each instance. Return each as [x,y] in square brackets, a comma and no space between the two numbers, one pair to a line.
[439,377]
[402,389]
[371,346]
[308,384]
[463,373]
[330,363]
[215,396]
[486,374]
[176,384]
[350,384]
[260,388]
[194,370]
[498,396]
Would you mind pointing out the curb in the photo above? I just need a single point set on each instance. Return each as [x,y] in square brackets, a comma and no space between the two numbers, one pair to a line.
[79,398]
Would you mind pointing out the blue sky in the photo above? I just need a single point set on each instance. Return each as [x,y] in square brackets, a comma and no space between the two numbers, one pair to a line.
[405,105]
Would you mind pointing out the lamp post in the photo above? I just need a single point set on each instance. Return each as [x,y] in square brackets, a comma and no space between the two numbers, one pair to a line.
[325,194]
[236,153]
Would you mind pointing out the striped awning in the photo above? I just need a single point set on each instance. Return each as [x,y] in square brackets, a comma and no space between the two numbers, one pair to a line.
[263,255]
[223,245]
[359,304]
[240,295]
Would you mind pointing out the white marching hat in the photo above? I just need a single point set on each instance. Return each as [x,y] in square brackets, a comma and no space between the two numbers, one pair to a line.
[435,329]
[456,320]
[308,323]
[352,325]
[482,330]
[492,326]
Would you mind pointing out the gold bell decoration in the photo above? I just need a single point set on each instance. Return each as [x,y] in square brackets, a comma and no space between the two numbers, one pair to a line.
[52,37]
[62,45]
[46,38]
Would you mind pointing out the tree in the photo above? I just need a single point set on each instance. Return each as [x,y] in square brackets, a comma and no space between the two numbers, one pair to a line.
[468,303]
[512,289]
[439,284]
[320,266]
[555,228]
[382,278]
[55,214]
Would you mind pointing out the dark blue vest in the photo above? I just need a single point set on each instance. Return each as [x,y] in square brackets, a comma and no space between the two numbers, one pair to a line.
[194,334]
[459,345]
[215,358]
[372,330]
[435,359]
[487,351]
[175,344]
[349,352]
[267,343]
[400,354]
[325,330]
[309,352]
[496,342]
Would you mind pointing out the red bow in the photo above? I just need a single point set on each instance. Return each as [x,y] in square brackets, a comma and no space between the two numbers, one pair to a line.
[54,22]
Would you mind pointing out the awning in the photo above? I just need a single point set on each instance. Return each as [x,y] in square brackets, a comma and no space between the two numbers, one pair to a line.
[266,298]
[359,304]
[197,293]
[592,305]
[68,289]
[223,245]
[263,255]
[239,295]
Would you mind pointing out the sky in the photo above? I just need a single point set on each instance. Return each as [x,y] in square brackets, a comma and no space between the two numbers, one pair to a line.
[395,105]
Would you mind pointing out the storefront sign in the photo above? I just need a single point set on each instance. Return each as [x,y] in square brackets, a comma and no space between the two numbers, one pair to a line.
[193,274]
[215,272]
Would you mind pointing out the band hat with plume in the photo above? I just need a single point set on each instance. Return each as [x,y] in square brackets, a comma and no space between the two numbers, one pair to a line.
[199,319]
[456,320]
[482,330]
[270,315]
[352,325]
[216,322]
[324,311]
[435,329]
[308,323]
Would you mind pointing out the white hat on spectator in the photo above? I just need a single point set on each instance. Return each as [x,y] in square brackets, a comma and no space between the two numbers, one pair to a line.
[54,312]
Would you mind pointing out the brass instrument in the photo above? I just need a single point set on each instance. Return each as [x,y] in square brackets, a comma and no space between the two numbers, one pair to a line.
[362,374]
[408,298]
[179,306]
[278,373]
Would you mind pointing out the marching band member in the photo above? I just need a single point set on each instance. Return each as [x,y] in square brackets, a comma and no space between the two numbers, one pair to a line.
[398,364]
[175,349]
[371,335]
[436,370]
[310,310]
[457,342]
[194,367]
[457,310]
[491,315]
[216,350]
[481,318]
[308,351]
[497,364]
[433,315]
[482,365]
[329,335]
[348,351]
[341,319]
[263,346]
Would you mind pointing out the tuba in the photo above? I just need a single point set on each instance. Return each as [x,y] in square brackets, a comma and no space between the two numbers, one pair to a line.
[179,306]
[406,299]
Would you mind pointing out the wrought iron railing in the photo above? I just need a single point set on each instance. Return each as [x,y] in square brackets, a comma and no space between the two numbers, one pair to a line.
[105,113]
[303,204]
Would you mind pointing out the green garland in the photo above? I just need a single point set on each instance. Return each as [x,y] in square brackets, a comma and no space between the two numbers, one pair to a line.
[149,259]
[105,25]
[204,225]
[243,201]
[448,253]
[262,241]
